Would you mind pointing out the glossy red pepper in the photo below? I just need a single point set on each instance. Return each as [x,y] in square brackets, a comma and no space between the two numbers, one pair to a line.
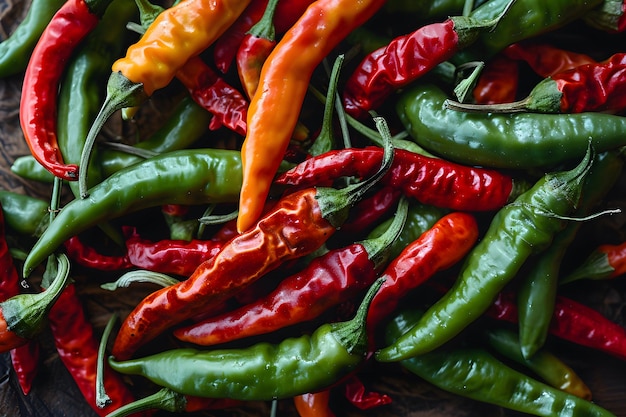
[498,81]
[371,209]
[25,360]
[429,180]
[546,59]
[72,23]
[89,257]
[357,394]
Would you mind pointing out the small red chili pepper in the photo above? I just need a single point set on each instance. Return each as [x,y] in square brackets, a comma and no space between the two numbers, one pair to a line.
[371,209]
[25,360]
[72,23]
[571,321]
[89,257]
[356,393]
[178,257]
[546,59]
[407,58]
[296,226]
[498,81]
[327,281]
[314,404]
[604,262]
[429,180]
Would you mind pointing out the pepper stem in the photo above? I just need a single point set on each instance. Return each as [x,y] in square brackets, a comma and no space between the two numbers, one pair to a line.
[352,334]
[264,28]
[121,93]
[102,398]
[378,247]
[596,266]
[164,399]
[140,275]
[469,28]
[335,204]
[25,314]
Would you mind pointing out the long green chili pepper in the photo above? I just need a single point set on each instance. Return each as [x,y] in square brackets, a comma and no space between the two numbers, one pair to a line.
[16,49]
[24,214]
[537,291]
[518,141]
[260,372]
[517,231]
[476,374]
[188,177]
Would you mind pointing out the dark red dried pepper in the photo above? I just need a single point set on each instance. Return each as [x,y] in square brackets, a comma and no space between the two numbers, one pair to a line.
[71,24]
[429,180]
[89,257]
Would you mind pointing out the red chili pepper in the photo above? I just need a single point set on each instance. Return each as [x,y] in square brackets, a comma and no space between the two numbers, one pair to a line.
[227,105]
[25,360]
[296,226]
[498,81]
[546,59]
[78,350]
[179,257]
[572,321]
[407,58]
[357,395]
[327,281]
[432,181]
[371,209]
[314,404]
[89,257]
[604,262]
[72,23]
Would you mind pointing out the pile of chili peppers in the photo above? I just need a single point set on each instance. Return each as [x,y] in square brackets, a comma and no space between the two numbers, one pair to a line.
[287,207]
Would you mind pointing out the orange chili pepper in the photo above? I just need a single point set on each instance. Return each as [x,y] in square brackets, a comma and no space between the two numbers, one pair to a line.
[313,404]
[275,107]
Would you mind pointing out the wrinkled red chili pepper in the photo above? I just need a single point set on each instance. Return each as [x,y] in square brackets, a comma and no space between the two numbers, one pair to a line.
[546,59]
[89,257]
[498,81]
[573,322]
[78,350]
[405,59]
[356,393]
[432,181]
[72,23]
[327,281]
[313,404]
[167,256]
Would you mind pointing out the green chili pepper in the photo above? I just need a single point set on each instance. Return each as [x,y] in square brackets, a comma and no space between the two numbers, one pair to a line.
[262,371]
[29,168]
[15,50]
[517,231]
[517,141]
[476,374]
[538,289]
[26,215]
[187,177]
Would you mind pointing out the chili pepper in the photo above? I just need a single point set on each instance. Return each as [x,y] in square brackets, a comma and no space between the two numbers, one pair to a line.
[586,88]
[429,180]
[571,321]
[22,316]
[608,17]
[371,209]
[177,34]
[328,280]
[356,394]
[498,81]
[407,58]
[518,140]
[543,363]
[169,256]
[27,167]
[25,360]
[312,363]
[26,215]
[546,59]
[476,374]
[313,404]
[77,346]
[254,49]
[87,256]
[537,289]
[297,225]
[15,50]
[163,179]
[324,24]
[169,400]
[516,232]
[607,261]
[38,111]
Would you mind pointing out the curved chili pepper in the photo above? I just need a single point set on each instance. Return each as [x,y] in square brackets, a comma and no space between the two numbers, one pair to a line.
[328,280]
[498,81]
[163,179]
[297,225]
[407,58]
[24,214]
[586,88]
[606,261]
[546,59]
[176,257]
[38,111]
[543,363]
[311,362]
[324,24]
[89,257]
[475,373]
[25,360]
[313,404]
[429,180]
[515,233]
[517,140]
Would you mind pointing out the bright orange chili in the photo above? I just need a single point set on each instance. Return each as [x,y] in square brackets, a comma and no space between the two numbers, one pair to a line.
[275,107]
